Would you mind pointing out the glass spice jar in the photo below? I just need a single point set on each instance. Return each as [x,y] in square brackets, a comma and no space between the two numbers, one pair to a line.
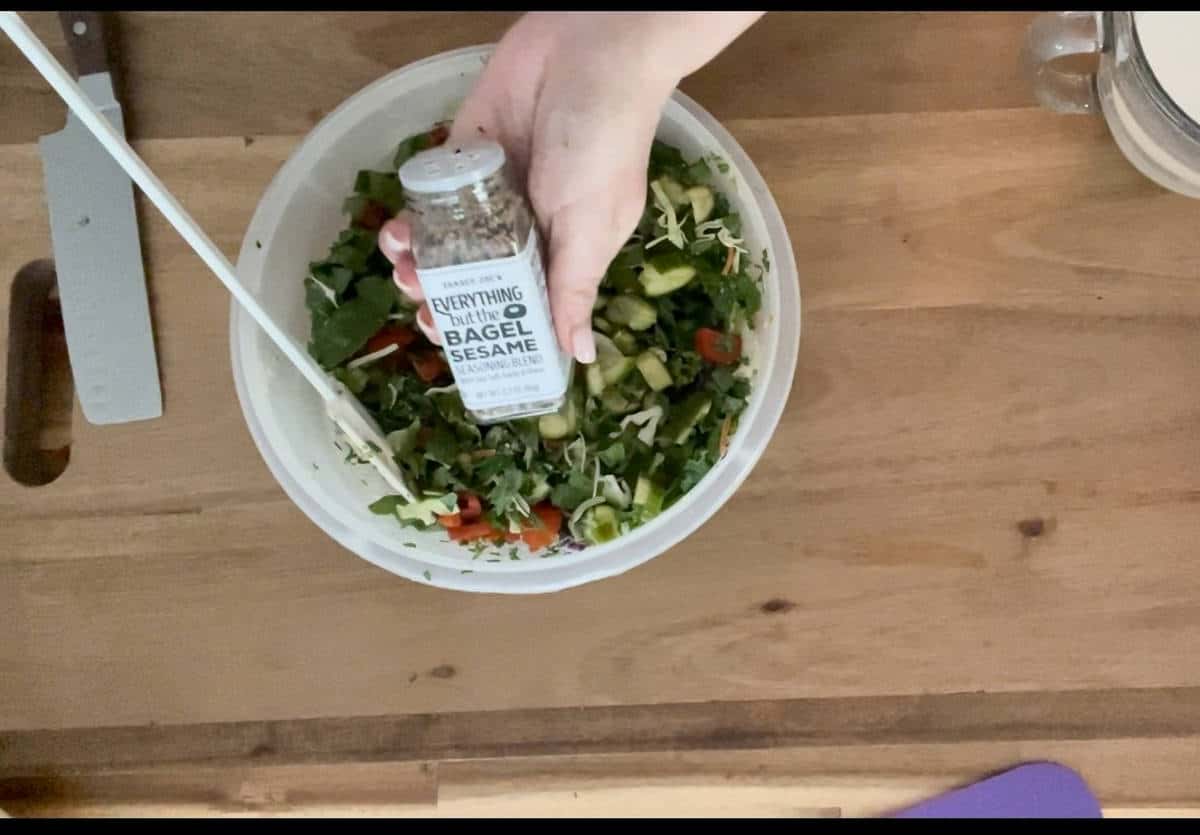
[478,259]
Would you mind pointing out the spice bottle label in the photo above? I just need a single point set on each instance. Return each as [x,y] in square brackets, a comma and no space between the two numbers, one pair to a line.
[494,320]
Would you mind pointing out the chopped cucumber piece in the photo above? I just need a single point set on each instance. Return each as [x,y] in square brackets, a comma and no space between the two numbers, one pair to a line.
[625,342]
[635,313]
[674,191]
[655,373]
[666,274]
[603,325]
[616,371]
[595,380]
[613,366]
[426,511]
[554,427]
[684,418]
[599,525]
[616,403]
[622,278]
[703,201]
[562,423]
[641,493]
[648,497]
[606,349]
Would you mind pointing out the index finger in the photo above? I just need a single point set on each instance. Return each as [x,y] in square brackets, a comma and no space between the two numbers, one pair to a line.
[395,242]
[395,237]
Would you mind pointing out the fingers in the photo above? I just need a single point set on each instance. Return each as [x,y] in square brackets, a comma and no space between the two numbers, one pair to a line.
[578,258]
[572,297]
[395,237]
[584,238]
[425,323]
[478,119]
[405,275]
[472,121]
[593,195]
[395,242]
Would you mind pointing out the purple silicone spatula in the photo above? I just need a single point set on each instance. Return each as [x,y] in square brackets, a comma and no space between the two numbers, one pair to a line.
[1037,790]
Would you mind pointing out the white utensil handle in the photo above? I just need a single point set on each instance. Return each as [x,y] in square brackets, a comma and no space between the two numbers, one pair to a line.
[140,173]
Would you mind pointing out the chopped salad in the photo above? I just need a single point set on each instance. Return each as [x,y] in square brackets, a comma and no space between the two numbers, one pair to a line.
[640,427]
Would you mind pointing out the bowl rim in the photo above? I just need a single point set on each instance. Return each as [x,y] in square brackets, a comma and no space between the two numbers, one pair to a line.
[657,537]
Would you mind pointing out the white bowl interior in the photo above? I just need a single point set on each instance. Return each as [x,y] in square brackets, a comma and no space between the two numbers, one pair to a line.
[300,215]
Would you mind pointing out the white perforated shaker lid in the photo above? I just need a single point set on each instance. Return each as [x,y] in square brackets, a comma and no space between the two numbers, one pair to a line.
[450,167]
[1170,42]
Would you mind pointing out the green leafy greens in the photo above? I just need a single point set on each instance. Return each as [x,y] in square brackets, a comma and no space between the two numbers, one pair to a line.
[646,431]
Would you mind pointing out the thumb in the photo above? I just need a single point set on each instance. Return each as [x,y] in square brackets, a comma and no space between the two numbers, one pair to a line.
[584,238]
[575,275]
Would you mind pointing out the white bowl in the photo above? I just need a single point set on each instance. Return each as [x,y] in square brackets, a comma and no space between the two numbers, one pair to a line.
[300,215]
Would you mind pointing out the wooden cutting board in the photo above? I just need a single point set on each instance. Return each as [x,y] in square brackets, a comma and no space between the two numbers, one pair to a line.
[972,541]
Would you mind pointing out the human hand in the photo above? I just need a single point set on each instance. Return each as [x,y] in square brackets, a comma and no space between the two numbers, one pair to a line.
[574,99]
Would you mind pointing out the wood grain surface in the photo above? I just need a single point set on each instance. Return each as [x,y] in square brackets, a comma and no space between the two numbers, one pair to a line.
[1131,777]
[985,481]
[186,74]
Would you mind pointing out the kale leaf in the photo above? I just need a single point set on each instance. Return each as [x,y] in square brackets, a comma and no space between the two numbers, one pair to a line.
[341,333]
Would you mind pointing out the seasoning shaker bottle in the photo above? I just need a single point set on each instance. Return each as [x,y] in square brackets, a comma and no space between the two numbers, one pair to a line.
[479,262]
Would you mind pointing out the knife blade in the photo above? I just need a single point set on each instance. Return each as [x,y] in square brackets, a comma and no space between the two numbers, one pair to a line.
[97,250]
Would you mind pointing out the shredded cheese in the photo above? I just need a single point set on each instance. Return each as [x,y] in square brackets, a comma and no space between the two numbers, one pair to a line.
[450,389]
[326,289]
[521,505]
[668,220]
[648,420]
[366,359]
[707,231]
[578,445]
[573,522]
[734,245]
[726,434]
[615,491]
[711,229]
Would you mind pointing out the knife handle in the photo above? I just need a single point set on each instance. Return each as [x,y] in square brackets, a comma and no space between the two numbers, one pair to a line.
[84,32]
